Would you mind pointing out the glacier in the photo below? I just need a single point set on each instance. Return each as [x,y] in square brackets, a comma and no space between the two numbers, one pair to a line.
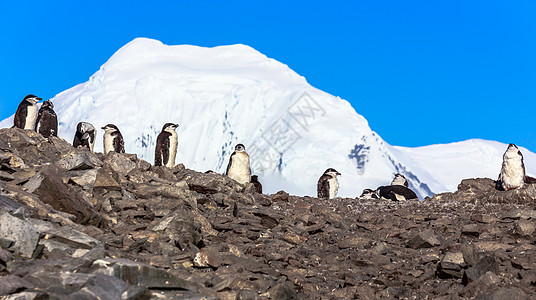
[226,95]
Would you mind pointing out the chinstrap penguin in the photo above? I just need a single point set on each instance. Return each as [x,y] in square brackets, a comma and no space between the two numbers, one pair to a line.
[257,184]
[47,120]
[512,174]
[113,140]
[26,114]
[400,180]
[238,167]
[166,146]
[85,136]
[328,186]
[396,193]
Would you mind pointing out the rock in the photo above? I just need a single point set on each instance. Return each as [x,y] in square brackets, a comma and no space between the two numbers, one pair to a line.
[101,287]
[107,180]
[425,239]
[84,179]
[54,192]
[135,273]
[283,291]
[67,238]
[507,293]
[470,254]
[22,232]
[121,163]
[517,214]
[355,242]
[524,227]
[471,229]
[10,284]
[484,283]
[280,196]
[5,176]
[208,257]
[79,159]
[451,265]
[483,218]
[33,295]
[484,265]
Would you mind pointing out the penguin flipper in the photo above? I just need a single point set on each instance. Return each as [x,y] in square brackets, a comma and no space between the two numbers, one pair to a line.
[119,144]
[230,163]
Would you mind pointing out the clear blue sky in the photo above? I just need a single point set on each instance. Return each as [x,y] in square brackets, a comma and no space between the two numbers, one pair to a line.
[421,72]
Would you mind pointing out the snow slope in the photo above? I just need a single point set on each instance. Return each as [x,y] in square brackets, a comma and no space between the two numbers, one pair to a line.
[233,94]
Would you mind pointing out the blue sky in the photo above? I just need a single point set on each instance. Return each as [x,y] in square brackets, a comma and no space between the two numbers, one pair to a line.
[421,72]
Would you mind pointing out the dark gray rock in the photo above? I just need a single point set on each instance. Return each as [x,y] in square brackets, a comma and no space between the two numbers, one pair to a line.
[135,273]
[11,284]
[470,254]
[79,159]
[283,291]
[484,265]
[54,192]
[524,227]
[507,293]
[451,265]
[425,239]
[101,287]
[21,232]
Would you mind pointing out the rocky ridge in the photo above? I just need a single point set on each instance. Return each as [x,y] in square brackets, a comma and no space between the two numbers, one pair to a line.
[79,225]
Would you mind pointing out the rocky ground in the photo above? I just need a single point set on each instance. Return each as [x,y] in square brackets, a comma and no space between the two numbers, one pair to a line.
[78,225]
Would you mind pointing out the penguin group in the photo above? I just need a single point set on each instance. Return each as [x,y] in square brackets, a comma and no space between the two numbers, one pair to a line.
[45,121]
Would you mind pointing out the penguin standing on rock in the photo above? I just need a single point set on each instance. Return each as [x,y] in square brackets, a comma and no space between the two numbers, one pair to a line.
[47,121]
[513,174]
[256,183]
[328,186]
[238,167]
[113,140]
[26,115]
[166,146]
[84,136]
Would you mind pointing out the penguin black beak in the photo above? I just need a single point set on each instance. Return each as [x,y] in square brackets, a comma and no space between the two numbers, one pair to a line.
[338,173]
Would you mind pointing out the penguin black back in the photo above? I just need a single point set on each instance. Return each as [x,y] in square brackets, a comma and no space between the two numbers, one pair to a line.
[256,183]
[47,121]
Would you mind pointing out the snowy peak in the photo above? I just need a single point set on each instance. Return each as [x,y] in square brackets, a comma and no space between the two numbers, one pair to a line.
[233,61]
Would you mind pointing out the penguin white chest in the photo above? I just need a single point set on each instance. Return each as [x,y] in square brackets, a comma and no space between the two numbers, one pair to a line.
[512,173]
[31,117]
[239,169]
[333,187]
[108,142]
[173,141]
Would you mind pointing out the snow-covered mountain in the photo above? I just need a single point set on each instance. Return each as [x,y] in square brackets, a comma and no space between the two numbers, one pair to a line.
[227,95]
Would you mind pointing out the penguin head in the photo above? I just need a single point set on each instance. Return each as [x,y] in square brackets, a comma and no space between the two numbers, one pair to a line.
[254,178]
[332,172]
[47,104]
[240,148]
[170,127]
[368,194]
[512,152]
[110,128]
[399,180]
[33,99]
[85,127]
